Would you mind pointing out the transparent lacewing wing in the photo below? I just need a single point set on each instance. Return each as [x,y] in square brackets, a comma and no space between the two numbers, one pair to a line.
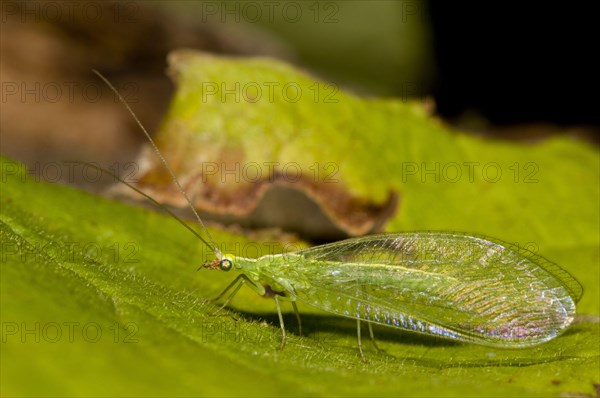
[451,285]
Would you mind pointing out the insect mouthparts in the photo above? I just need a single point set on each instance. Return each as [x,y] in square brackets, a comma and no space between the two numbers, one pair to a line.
[214,264]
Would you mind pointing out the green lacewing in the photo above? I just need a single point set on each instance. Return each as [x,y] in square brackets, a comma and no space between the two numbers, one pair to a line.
[451,285]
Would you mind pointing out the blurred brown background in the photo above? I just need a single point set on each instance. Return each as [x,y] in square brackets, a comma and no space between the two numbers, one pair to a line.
[517,72]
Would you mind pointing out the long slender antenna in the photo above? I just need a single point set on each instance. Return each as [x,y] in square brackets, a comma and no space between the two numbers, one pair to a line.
[150,198]
[165,164]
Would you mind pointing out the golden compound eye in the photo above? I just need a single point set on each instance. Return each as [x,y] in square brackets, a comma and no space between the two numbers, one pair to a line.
[226,264]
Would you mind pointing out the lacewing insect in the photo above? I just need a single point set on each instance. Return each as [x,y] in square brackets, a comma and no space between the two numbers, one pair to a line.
[451,285]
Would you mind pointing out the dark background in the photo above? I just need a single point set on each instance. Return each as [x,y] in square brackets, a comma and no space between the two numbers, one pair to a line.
[517,62]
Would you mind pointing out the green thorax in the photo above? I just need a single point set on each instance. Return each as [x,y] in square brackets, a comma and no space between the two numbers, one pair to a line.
[279,271]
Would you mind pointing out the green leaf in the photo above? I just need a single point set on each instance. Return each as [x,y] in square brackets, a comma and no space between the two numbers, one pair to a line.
[77,265]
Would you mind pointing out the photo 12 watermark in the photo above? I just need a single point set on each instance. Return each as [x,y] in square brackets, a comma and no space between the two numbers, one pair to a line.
[68,332]
[219,332]
[293,12]
[72,251]
[70,11]
[455,172]
[254,172]
[268,92]
[70,172]
[52,92]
